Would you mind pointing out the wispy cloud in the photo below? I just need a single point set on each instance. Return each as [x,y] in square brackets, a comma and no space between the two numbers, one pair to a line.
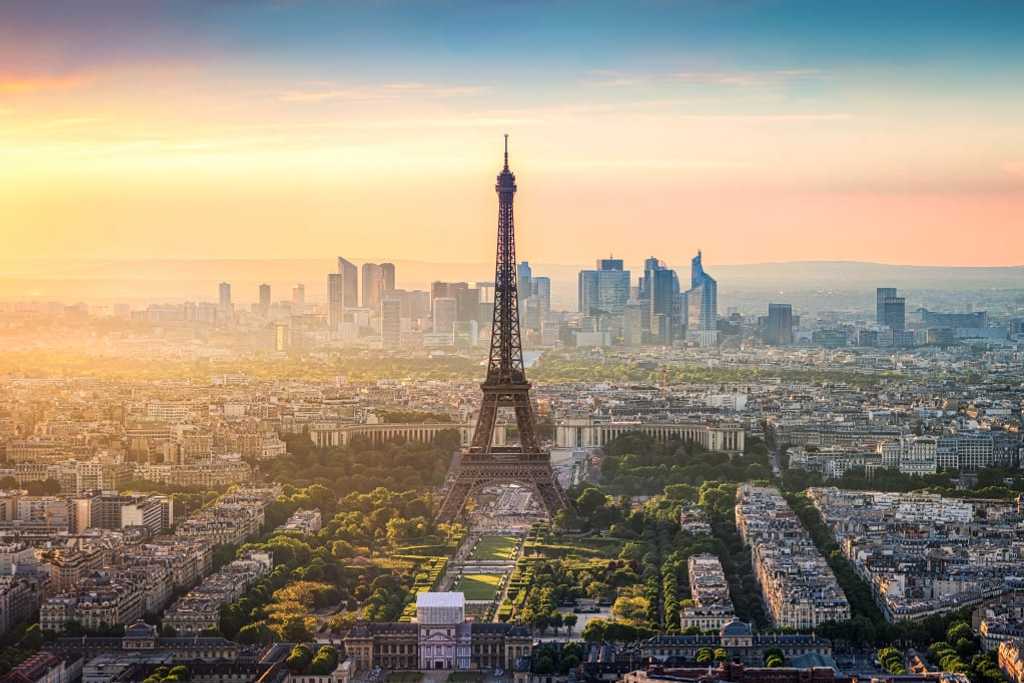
[12,84]
[745,78]
[737,79]
[615,79]
[799,117]
[327,92]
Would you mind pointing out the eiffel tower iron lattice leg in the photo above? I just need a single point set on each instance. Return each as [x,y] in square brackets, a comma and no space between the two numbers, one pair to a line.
[505,386]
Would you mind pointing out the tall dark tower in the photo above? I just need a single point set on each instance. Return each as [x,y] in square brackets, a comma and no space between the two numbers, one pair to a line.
[483,463]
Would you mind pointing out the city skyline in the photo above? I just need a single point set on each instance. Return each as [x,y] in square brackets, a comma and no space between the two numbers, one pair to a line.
[285,129]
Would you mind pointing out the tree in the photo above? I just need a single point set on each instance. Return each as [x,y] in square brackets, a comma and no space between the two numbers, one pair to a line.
[342,549]
[325,661]
[295,631]
[589,501]
[705,655]
[570,621]
[298,659]
[632,610]
[595,631]
[256,633]
[773,657]
[33,638]
[958,630]
[721,654]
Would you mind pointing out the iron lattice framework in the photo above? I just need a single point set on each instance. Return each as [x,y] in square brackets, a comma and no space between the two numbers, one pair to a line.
[483,463]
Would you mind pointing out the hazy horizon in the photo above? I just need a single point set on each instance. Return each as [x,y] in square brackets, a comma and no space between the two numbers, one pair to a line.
[139,281]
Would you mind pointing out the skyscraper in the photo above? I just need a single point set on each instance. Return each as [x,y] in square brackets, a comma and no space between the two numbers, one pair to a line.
[664,290]
[264,299]
[542,290]
[525,274]
[224,290]
[701,299]
[890,309]
[881,294]
[390,321]
[335,300]
[445,314]
[651,264]
[778,328]
[603,291]
[388,273]
[373,285]
[350,283]
[298,298]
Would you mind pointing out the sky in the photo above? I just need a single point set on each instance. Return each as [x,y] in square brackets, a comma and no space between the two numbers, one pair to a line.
[753,130]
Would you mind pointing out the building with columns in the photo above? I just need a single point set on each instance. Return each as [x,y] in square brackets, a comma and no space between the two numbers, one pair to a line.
[592,433]
[330,434]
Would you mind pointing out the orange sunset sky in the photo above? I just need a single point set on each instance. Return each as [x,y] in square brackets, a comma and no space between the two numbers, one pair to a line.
[756,131]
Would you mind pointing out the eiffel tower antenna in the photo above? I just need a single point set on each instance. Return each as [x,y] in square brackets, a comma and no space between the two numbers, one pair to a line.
[505,386]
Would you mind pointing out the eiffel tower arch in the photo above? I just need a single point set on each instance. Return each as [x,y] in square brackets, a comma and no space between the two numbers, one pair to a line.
[483,464]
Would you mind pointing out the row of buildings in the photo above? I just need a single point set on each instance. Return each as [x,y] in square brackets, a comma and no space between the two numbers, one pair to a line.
[799,589]
[925,554]
[709,607]
[101,578]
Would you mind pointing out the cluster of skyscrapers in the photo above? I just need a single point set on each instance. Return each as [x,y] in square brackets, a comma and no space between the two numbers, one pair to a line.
[656,311]
[450,313]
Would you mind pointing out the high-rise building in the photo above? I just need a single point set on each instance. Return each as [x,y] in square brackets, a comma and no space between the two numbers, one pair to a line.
[604,290]
[881,294]
[468,307]
[525,274]
[224,290]
[452,290]
[542,290]
[651,264]
[350,283]
[282,336]
[486,292]
[664,290]
[890,309]
[701,299]
[373,285]
[391,321]
[264,299]
[778,329]
[298,298]
[388,273]
[335,300]
[445,314]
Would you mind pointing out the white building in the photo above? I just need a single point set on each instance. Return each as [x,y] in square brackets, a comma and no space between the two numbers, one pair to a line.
[445,639]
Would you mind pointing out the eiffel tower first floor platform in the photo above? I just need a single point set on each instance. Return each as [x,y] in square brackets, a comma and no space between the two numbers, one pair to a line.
[474,470]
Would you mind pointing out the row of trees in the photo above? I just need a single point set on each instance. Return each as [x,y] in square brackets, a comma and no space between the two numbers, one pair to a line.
[960,653]
[636,464]
[362,466]
[591,366]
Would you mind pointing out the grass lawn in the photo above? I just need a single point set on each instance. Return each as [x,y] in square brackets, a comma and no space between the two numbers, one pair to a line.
[479,586]
[495,548]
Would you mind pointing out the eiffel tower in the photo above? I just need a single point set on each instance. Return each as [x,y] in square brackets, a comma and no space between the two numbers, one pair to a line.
[483,463]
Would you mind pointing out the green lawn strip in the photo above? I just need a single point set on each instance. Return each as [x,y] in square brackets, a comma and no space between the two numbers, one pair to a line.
[495,548]
[479,586]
